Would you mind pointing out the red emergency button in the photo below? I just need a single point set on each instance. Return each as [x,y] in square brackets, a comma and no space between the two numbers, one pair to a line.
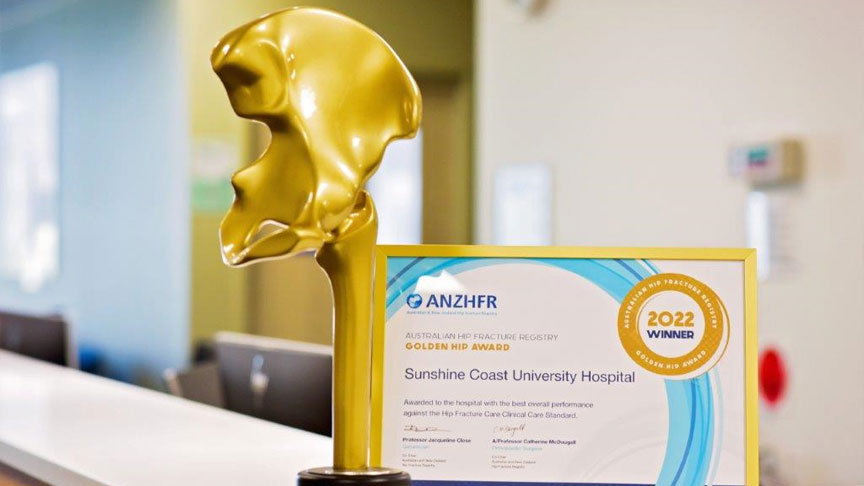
[772,376]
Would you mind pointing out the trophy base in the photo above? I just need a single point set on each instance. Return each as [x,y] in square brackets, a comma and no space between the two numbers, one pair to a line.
[378,476]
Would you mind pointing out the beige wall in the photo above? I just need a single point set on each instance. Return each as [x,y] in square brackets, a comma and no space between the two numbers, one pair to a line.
[634,105]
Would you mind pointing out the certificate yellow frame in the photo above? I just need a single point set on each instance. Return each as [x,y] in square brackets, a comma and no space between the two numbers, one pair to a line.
[745,255]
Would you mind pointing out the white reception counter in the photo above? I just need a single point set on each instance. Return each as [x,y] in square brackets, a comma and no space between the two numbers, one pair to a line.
[69,428]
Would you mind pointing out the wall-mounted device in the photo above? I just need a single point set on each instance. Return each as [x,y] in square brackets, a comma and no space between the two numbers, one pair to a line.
[768,163]
[771,169]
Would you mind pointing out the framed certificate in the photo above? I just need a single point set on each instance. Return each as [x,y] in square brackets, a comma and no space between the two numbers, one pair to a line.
[581,366]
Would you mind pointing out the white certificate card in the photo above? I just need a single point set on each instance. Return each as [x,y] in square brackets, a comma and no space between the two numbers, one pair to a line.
[506,365]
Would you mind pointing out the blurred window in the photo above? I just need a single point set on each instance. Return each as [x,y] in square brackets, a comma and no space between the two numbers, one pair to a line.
[29,230]
[397,189]
[522,205]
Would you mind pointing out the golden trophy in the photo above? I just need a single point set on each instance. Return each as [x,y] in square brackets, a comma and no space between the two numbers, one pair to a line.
[334,95]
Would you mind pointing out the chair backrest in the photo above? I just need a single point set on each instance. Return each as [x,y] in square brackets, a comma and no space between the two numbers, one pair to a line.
[201,383]
[282,381]
[43,338]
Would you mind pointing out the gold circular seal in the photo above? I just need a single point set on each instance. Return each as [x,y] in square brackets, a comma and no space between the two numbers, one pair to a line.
[673,325]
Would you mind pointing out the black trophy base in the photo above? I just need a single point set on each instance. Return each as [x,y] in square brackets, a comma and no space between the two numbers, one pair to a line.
[377,476]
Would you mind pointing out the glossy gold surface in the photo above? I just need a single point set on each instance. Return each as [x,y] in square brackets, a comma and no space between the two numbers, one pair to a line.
[333,94]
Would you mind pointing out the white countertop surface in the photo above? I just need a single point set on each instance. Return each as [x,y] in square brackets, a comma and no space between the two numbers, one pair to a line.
[70,428]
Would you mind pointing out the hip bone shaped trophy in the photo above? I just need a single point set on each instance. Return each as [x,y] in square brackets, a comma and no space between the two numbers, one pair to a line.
[334,95]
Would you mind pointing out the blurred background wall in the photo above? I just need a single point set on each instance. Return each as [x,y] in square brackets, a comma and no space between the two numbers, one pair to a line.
[635,105]
[123,195]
